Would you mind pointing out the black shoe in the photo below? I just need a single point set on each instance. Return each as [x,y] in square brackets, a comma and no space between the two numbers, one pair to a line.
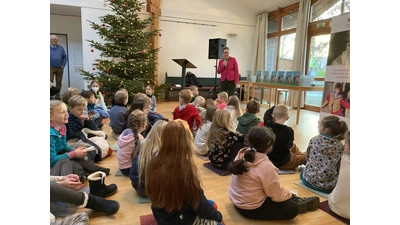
[307,203]
[109,207]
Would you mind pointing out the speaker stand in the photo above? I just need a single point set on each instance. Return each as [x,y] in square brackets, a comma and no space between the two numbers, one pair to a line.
[214,88]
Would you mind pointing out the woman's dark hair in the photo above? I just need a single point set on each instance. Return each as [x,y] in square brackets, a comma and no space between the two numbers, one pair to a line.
[260,139]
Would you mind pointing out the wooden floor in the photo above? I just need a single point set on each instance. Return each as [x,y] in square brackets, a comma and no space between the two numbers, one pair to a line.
[215,186]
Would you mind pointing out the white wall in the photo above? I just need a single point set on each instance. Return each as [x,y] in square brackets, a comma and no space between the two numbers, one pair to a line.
[71,26]
[187,39]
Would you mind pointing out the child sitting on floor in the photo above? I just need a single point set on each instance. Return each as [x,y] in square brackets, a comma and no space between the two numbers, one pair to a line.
[100,104]
[255,189]
[233,106]
[82,160]
[222,97]
[129,138]
[71,91]
[285,154]
[117,113]
[202,132]
[145,152]
[78,120]
[249,119]
[222,142]
[91,111]
[339,199]
[172,180]
[323,155]
[195,92]
[186,111]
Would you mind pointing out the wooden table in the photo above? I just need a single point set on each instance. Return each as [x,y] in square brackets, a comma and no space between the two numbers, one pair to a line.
[299,89]
[248,84]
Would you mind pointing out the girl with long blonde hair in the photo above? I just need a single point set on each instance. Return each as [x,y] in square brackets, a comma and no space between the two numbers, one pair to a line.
[145,152]
[233,106]
[223,143]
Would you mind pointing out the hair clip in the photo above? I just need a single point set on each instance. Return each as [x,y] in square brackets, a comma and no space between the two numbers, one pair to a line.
[251,149]
[244,159]
[338,121]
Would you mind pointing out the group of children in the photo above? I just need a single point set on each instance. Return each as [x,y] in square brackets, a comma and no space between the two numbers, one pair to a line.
[251,150]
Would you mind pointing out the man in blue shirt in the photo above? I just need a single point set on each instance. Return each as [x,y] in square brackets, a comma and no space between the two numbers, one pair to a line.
[58,59]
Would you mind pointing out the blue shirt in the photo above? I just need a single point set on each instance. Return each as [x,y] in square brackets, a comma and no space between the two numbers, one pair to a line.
[58,57]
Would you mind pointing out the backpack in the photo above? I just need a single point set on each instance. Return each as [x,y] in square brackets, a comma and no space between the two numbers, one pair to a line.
[191,79]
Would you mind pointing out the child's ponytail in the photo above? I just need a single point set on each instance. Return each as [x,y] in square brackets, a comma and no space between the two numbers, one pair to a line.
[261,139]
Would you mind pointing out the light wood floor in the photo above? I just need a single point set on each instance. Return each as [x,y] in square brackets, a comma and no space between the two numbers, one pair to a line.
[215,186]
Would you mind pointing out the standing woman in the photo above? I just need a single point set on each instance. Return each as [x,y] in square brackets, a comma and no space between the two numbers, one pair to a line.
[229,70]
[172,181]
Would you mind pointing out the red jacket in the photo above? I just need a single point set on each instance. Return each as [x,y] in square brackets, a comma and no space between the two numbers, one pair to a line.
[189,114]
[231,72]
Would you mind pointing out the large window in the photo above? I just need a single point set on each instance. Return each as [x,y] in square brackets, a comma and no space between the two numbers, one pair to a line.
[282,24]
[281,37]
[318,43]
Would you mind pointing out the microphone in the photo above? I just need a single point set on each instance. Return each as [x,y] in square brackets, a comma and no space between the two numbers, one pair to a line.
[226,62]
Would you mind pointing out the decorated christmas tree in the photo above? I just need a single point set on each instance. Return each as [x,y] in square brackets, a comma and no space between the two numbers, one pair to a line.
[127,59]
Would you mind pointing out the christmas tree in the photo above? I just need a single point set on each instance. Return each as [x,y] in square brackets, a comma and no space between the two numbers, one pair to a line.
[127,57]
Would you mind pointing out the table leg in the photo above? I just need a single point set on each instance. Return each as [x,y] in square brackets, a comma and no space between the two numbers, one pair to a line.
[252,93]
[240,92]
[298,106]
[270,97]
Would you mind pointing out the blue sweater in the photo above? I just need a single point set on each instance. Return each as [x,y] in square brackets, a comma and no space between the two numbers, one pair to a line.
[76,124]
[58,57]
[57,143]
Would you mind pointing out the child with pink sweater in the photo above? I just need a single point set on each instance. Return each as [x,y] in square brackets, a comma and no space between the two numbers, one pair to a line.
[255,189]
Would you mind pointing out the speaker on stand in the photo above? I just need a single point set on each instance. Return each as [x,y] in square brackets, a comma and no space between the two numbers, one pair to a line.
[215,47]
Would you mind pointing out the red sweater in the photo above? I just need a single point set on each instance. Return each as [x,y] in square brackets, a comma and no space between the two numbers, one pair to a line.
[189,114]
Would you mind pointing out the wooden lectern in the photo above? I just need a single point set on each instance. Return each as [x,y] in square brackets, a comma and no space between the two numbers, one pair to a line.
[184,63]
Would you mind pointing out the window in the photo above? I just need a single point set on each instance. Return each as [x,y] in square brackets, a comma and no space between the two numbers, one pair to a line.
[319,47]
[281,36]
[286,51]
[318,43]
[272,53]
[282,24]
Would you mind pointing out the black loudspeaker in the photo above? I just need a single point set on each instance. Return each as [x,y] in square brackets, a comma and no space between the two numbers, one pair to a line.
[215,47]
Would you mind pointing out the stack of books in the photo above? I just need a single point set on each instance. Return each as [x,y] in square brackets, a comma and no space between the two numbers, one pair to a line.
[306,80]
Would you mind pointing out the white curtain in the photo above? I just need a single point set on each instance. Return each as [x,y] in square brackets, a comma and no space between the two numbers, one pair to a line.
[300,48]
[259,39]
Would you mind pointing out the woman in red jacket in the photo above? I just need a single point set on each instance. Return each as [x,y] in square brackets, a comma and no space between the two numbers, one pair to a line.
[229,70]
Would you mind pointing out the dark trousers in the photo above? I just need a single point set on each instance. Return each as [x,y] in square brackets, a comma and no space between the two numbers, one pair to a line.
[271,210]
[228,86]
[86,167]
[58,73]
[59,193]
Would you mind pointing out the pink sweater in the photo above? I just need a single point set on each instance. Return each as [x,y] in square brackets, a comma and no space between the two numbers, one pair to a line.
[249,190]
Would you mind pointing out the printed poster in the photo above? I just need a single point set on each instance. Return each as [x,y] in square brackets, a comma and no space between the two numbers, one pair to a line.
[336,95]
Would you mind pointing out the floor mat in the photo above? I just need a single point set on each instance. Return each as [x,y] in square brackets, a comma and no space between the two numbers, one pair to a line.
[216,170]
[143,200]
[204,158]
[301,184]
[119,173]
[147,220]
[286,172]
[324,206]
[114,146]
